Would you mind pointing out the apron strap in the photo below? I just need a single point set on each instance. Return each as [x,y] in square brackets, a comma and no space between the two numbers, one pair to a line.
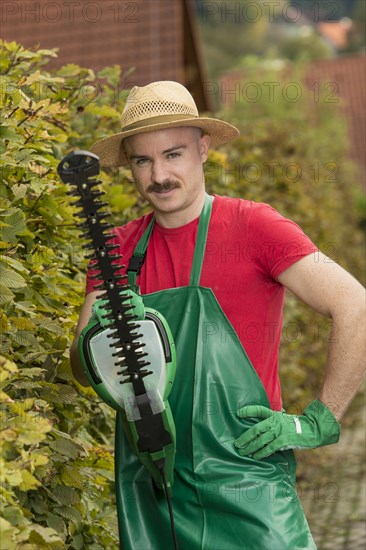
[137,260]
[200,247]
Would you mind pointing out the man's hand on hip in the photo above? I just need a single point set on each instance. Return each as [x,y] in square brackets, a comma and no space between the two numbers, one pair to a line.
[278,431]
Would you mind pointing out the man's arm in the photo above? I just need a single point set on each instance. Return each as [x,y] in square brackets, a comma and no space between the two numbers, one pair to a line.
[85,313]
[331,291]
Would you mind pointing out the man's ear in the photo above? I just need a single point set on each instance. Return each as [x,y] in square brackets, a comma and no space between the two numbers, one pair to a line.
[123,152]
[204,147]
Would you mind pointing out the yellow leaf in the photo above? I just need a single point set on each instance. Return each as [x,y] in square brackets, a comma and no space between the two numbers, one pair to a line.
[38,460]
[7,365]
[4,323]
[34,77]
[22,323]
[34,429]
[29,482]
[37,168]
[7,435]
[4,397]
[13,477]
[8,534]
[34,459]
[28,403]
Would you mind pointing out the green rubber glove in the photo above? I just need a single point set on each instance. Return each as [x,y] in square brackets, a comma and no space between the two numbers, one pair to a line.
[279,431]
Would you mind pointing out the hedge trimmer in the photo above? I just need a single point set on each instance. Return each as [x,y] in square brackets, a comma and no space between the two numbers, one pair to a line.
[127,350]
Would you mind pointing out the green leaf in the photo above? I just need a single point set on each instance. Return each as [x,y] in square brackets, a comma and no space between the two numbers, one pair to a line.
[13,514]
[72,476]
[57,523]
[69,513]
[16,264]
[28,371]
[65,495]
[25,384]
[66,448]
[39,505]
[69,70]
[51,326]
[6,294]
[103,110]
[11,279]
[49,53]
[24,155]
[16,226]
[67,394]
[9,133]
[25,338]
[111,74]
[78,542]
[60,394]
[38,459]
[19,191]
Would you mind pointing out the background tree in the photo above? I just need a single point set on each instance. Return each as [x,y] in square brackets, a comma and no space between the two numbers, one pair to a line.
[230,30]
[233,30]
[323,10]
[357,34]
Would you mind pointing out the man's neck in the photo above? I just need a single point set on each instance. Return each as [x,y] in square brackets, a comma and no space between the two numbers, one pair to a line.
[182,217]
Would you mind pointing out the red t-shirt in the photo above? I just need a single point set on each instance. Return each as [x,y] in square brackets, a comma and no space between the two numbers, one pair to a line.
[248,245]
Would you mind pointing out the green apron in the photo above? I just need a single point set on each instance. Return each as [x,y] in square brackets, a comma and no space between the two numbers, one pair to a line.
[221,501]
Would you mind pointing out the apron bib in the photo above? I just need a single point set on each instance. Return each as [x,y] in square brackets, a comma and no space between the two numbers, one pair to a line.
[221,501]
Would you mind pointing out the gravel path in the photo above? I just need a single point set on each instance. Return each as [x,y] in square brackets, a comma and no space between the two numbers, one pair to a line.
[334,499]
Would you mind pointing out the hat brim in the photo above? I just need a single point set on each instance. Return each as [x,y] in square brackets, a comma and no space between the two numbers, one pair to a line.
[111,154]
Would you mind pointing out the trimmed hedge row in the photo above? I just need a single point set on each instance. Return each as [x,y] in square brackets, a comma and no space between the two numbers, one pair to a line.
[56,462]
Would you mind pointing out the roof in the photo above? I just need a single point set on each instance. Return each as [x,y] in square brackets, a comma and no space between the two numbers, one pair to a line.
[346,74]
[336,32]
[340,78]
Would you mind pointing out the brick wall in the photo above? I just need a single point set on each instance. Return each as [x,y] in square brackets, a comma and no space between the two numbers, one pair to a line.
[145,34]
[344,78]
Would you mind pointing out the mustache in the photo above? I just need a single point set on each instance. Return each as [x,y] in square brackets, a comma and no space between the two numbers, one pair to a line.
[165,186]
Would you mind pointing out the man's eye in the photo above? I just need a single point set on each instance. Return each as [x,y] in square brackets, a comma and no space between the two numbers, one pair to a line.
[141,162]
[173,155]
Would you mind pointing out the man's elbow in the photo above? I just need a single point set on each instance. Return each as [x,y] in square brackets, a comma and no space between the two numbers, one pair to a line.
[350,309]
[76,365]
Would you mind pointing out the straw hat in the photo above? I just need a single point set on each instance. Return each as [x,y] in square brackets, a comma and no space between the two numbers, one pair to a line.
[157,106]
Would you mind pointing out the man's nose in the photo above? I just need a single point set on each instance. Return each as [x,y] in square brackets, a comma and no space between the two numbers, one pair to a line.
[159,173]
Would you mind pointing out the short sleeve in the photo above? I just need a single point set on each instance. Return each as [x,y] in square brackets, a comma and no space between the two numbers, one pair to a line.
[276,241]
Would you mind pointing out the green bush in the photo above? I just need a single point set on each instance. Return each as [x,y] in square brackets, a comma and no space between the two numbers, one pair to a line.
[57,438]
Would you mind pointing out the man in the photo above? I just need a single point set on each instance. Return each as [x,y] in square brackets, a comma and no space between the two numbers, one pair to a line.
[234,470]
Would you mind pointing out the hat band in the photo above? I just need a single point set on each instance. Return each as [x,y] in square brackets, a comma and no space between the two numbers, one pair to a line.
[157,120]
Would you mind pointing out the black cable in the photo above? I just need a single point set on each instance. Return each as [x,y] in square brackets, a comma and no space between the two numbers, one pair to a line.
[169,501]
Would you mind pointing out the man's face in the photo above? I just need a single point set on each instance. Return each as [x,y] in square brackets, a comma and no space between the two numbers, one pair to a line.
[167,169]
